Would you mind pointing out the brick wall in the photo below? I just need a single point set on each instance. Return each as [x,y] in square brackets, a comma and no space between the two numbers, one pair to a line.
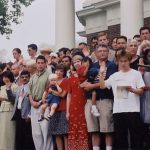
[114,31]
[147,22]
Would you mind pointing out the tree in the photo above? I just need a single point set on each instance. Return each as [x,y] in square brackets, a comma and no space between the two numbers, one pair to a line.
[10,12]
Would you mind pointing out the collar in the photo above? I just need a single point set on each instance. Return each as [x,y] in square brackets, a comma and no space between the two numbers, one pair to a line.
[41,73]
[108,63]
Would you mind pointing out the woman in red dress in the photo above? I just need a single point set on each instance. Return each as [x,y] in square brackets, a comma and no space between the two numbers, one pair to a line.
[76,100]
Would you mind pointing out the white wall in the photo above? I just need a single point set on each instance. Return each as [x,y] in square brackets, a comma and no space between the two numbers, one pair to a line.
[96,23]
[113,15]
[107,16]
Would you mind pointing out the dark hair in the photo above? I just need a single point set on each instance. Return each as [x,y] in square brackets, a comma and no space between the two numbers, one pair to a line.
[102,45]
[10,63]
[68,50]
[67,57]
[87,59]
[145,53]
[82,43]
[57,53]
[136,36]
[8,74]
[2,66]
[113,39]
[63,49]
[94,38]
[144,28]
[121,37]
[17,50]
[61,67]
[33,46]
[77,51]
[41,57]
[71,49]
[25,72]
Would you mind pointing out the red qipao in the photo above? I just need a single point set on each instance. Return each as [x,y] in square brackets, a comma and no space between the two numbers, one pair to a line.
[77,134]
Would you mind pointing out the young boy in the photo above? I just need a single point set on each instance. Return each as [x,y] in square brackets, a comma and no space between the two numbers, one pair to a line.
[127,85]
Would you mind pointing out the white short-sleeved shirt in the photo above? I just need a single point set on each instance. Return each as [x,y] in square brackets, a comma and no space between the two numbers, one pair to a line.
[125,101]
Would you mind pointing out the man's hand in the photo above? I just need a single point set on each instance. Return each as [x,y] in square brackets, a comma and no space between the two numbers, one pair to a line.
[3,99]
[43,101]
[87,86]
[82,85]
[49,90]
[28,119]
[130,89]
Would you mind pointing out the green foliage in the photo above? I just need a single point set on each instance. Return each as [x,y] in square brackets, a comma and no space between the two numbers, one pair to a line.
[10,12]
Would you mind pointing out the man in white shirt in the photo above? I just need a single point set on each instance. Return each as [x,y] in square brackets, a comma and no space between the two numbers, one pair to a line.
[127,85]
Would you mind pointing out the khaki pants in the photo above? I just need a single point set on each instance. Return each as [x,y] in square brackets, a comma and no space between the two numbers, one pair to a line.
[7,127]
[104,123]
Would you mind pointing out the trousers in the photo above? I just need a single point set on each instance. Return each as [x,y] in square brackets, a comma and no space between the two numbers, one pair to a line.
[42,139]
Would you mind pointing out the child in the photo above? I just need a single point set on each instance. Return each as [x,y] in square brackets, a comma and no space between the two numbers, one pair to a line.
[85,72]
[127,84]
[52,100]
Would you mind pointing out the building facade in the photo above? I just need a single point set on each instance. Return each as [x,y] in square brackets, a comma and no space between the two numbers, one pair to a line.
[116,17]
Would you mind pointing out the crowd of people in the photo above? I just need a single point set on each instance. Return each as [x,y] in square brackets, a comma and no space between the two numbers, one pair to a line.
[93,97]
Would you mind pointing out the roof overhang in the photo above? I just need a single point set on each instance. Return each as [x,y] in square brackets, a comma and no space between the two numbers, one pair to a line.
[94,8]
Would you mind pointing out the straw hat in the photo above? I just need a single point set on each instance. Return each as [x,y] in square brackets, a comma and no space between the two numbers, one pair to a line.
[53,54]
[48,50]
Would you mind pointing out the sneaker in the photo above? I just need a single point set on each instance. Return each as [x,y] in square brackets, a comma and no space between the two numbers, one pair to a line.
[41,118]
[95,112]
[92,111]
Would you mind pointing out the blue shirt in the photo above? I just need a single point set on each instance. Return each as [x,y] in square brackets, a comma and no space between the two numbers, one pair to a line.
[93,72]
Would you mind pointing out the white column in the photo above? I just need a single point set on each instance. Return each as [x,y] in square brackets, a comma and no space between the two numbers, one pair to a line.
[65,23]
[132,17]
